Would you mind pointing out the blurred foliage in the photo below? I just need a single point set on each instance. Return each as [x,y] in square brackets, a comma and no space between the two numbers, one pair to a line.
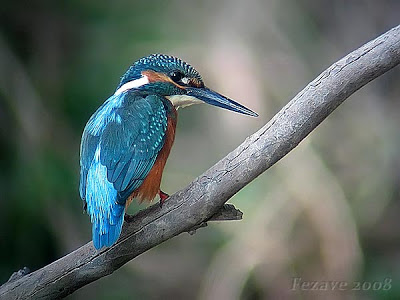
[327,211]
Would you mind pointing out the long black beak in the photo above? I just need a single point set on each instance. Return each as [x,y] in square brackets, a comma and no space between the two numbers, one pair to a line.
[216,99]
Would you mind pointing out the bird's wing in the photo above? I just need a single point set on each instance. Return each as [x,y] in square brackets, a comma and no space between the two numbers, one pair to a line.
[119,147]
[131,143]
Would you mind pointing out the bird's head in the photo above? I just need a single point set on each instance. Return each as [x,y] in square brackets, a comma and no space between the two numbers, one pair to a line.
[176,80]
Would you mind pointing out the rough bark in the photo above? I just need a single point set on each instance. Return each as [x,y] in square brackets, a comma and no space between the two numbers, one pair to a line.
[205,196]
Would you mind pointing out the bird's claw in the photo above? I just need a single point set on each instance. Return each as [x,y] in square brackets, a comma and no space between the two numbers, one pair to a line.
[163,197]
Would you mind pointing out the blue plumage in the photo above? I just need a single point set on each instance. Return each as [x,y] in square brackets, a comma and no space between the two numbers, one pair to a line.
[119,146]
[159,63]
[123,139]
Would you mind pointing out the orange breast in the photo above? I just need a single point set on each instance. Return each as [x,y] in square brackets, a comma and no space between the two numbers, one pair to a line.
[151,184]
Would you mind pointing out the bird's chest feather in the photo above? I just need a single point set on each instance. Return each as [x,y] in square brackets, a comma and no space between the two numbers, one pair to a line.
[150,187]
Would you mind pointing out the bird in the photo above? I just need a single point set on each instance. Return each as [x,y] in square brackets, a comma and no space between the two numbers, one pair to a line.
[126,142]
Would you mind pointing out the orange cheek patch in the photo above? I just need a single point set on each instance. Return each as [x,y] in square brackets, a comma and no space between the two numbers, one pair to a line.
[156,77]
[160,77]
[195,82]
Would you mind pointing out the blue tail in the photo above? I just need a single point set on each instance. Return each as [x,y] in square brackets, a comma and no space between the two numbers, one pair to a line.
[106,213]
[106,231]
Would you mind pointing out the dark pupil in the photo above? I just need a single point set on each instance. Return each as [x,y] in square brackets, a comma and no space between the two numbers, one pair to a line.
[176,76]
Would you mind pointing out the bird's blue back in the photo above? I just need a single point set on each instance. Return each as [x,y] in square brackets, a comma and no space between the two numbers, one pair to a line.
[119,146]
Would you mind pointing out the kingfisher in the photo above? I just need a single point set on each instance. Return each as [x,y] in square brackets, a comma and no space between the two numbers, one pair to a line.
[126,142]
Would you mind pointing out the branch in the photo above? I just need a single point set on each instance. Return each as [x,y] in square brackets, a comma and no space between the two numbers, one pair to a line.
[202,198]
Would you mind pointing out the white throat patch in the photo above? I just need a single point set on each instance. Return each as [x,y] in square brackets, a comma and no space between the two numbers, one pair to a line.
[183,100]
[132,84]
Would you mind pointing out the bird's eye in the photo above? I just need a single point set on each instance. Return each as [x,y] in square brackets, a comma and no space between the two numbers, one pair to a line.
[176,76]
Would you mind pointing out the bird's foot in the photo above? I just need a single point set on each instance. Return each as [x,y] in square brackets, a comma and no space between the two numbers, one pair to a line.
[163,197]
[128,218]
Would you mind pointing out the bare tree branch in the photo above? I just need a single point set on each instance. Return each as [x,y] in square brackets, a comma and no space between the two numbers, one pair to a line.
[202,198]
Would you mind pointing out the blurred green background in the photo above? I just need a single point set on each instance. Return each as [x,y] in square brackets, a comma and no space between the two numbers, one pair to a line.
[328,211]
